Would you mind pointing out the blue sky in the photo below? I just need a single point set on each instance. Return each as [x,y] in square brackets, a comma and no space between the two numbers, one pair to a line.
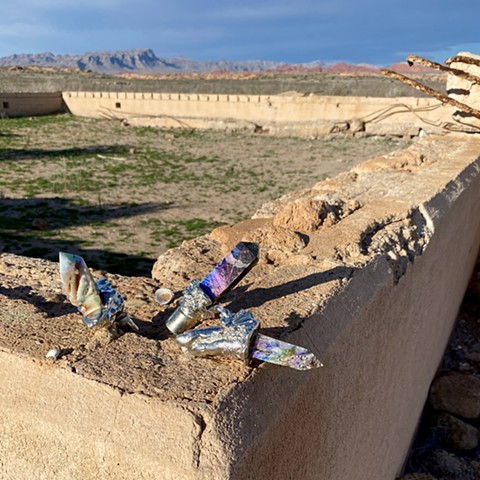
[293,31]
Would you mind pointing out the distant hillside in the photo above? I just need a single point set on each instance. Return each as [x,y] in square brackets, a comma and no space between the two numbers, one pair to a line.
[145,61]
[135,61]
[344,67]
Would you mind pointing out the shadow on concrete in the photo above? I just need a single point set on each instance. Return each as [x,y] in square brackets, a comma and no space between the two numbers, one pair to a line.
[240,298]
[156,329]
[52,308]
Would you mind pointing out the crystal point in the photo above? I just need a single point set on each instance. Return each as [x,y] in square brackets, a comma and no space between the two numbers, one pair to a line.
[270,350]
[80,287]
[97,301]
[237,263]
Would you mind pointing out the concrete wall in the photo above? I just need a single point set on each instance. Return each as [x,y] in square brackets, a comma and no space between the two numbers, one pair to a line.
[287,114]
[276,114]
[31,104]
[367,269]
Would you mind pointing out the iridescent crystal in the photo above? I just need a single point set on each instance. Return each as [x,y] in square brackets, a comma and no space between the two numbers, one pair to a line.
[80,287]
[198,296]
[237,338]
[98,302]
[230,270]
[268,349]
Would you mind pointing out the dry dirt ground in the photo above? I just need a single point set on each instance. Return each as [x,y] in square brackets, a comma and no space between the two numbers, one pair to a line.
[120,195]
[367,85]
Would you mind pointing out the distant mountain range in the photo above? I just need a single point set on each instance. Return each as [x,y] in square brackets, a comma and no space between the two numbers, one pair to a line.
[145,61]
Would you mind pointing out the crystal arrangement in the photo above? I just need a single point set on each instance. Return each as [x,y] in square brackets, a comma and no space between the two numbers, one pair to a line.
[237,335]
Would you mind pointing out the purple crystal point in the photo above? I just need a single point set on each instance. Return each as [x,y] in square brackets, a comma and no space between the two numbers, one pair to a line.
[230,270]
[198,296]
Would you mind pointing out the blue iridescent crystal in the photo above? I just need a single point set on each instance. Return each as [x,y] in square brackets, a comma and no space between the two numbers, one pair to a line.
[230,270]
[198,296]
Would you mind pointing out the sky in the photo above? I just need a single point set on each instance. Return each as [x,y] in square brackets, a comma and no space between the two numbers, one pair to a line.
[377,32]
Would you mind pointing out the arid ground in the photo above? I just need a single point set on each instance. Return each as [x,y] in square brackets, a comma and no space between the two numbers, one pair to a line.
[120,195]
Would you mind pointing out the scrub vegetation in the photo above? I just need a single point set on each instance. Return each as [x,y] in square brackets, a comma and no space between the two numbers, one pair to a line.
[121,195]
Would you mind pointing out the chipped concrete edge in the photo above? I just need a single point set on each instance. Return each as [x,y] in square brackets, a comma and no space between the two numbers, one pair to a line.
[255,414]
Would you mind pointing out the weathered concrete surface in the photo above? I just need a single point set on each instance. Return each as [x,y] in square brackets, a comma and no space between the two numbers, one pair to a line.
[369,276]
[304,115]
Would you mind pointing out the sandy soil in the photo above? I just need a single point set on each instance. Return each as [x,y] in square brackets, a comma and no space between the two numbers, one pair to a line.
[120,195]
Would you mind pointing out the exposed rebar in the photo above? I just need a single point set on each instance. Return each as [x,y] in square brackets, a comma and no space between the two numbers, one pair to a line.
[463,59]
[411,59]
[430,91]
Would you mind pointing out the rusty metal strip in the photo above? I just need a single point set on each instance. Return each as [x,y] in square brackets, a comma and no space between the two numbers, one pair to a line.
[430,91]
[463,59]
[411,59]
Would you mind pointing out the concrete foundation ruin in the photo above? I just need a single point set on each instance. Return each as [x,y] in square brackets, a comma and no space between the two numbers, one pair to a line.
[286,115]
[367,270]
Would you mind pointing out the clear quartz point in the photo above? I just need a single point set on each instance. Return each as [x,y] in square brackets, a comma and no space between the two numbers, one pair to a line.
[270,350]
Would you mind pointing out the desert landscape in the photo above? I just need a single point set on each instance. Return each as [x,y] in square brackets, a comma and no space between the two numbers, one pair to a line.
[121,195]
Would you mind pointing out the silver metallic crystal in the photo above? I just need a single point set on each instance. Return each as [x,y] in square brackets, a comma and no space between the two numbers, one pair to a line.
[231,339]
[192,307]
[237,338]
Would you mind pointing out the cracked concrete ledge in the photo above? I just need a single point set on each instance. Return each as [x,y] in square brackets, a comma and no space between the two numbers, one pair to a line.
[367,270]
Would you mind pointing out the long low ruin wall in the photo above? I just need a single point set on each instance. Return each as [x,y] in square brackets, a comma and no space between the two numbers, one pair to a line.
[277,114]
[287,114]
[367,270]
[31,104]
